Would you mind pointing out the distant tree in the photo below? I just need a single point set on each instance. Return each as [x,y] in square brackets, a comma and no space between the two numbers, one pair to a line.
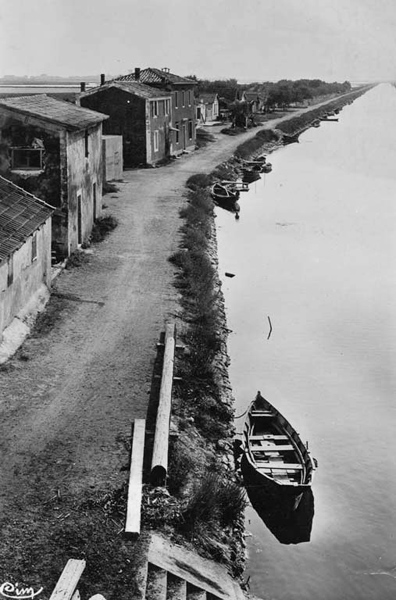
[240,113]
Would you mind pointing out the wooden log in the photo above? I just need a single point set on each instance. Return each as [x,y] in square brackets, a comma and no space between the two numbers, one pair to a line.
[67,582]
[159,463]
[134,503]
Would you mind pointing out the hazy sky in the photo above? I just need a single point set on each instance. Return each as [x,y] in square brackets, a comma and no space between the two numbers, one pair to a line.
[259,40]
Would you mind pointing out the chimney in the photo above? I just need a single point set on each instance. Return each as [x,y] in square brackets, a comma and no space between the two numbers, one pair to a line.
[82,86]
[137,74]
[102,78]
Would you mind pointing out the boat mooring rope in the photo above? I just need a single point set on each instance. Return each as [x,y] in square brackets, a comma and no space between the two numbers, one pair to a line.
[244,413]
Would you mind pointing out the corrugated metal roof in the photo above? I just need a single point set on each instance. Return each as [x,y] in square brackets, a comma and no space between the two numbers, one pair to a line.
[21,214]
[64,114]
[157,76]
[133,87]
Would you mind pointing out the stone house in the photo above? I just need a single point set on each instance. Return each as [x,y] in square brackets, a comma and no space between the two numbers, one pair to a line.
[207,107]
[183,113]
[25,249]
[138,112]
[53,149]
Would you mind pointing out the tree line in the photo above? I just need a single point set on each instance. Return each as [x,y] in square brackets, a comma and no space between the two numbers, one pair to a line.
[274,94]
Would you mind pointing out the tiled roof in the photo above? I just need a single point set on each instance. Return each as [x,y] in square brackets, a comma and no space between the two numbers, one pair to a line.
[21,214]
[207,98]
[157,76]
[64,114]
[251,96]
[133,87]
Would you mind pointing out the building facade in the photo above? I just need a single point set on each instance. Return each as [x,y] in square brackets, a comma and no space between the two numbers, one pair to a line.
[53,149]
[207,107]
[139,113]
[183,112]
[25,249]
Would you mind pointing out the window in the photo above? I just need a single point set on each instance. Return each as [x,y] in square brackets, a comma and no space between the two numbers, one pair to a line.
[154,108]
[161,104]
[177,133]
[189,98]
[176,101]
[156,141]
[27,158]
[167,107]
[190,129]
[34,246]
[86,143]
[183,98]
[94,202]
[10,274]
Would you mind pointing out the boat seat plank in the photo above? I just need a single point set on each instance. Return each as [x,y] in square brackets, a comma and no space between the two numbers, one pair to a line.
[282,466]
[273,448]
[268,436]
[262,413]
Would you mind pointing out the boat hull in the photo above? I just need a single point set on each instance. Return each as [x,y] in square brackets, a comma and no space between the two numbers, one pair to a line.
[274,457]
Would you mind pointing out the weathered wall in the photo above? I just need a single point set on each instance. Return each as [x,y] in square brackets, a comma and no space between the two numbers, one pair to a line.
[127,118]
[112,157]
[28,275]
[83,173]
[44,183]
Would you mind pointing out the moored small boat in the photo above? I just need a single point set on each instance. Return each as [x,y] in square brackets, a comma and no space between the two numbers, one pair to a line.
[250,176]
[274,456]
[224,192]
[239,186]
[226,196]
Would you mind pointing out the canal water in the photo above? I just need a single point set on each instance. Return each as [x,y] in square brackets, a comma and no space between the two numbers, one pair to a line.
[314,253]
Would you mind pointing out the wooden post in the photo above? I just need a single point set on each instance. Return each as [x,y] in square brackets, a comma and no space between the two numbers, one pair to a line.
[134,504]
[159,463]
[67,582]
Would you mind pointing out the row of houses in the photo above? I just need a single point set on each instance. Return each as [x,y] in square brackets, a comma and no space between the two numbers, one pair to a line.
[54,156]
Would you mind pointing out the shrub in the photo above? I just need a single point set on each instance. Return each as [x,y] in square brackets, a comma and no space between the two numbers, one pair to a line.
[213,501]
[77,259]
[109,188]
[179,467]
[102,227]
[199,180]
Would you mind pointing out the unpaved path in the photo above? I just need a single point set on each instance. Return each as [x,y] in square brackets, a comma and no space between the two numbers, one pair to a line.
[67,408]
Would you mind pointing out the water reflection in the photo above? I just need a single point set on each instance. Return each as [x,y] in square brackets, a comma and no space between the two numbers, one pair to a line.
[288,524]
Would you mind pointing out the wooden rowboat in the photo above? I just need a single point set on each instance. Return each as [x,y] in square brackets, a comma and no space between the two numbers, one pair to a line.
[224,192]
[274,456]
[226,196]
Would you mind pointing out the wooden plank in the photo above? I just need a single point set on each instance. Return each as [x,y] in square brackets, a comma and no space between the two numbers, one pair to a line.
[280,465]
[159,463]
[67,582]
[134,503]
[272,448]
[202,573]
[268,436]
